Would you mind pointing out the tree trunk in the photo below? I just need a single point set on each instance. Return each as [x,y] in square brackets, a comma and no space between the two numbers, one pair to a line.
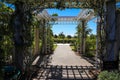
[110,60]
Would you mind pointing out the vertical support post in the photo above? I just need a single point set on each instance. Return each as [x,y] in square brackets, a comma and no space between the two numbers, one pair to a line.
[44,37]
[97,40]
[83,38]
[43,42]
[36,40]
[79,36]
[110,60]
[118,35]
[1,59]
[48,38]
[18,35]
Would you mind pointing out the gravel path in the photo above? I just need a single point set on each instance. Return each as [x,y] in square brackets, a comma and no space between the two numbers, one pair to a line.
[63,55]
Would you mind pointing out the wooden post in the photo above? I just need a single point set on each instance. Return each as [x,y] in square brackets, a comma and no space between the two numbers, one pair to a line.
[42,48]
[79,36]
[43,37]
[110,60]
[36,41]
[1,59]
[118,35]
[18,35]
[83,38]
[98,41]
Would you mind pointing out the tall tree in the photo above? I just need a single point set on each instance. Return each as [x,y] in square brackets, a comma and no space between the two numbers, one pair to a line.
[62,35]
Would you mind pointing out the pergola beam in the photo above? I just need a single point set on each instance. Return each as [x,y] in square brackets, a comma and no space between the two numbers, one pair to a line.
[86,14]
[69,0]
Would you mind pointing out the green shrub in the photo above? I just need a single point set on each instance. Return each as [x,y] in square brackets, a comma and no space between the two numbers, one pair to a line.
[105,75]
[64,40]
[89,54]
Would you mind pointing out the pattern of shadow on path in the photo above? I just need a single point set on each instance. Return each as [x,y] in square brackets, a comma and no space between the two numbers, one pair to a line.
[51,72]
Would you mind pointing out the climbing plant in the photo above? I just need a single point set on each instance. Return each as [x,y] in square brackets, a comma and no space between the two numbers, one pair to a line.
[50,40]
[98,7]
[87,36]
[5,29]
[6,35]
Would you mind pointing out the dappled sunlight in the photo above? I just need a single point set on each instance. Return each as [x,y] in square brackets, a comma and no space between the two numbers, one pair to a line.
[59,72]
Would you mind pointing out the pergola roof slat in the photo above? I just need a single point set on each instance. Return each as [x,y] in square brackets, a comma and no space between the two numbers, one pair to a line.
[85,14]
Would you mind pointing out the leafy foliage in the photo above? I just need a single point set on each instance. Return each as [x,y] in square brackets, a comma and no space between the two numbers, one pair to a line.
[62,35]
[50,40]
[90,40]
[90,45]
[6,43]
[55,14]
[61,38]
[105,75]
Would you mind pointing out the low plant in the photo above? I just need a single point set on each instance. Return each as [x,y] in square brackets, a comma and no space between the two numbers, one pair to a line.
[105,75]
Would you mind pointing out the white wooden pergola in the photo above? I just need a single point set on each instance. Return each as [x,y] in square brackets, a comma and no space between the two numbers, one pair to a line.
[85,14]
[83,17]
[111,50]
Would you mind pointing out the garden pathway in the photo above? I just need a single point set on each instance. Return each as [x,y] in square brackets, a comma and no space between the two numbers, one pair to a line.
[65,65]
[63,55]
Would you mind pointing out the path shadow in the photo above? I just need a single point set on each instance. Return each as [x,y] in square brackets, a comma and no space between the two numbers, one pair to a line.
[57,72]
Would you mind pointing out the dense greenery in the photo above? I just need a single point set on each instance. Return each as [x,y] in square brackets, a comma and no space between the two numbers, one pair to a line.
[6,35]
[105,75]
[90,40]
[50,40]
[65,40]
[90,45]
[46,38]
[61,38]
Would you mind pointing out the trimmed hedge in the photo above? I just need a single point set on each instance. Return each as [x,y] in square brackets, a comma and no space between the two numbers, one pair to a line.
[64,40]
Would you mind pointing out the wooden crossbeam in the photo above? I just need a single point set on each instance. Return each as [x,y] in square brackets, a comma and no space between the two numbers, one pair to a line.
[85,14]
[69,0]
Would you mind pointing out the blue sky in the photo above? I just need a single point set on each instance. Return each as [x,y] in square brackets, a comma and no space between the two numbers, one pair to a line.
[69,29]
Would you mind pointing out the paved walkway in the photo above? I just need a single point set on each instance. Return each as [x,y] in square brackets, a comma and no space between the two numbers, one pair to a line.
[65,65]
[63,55]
